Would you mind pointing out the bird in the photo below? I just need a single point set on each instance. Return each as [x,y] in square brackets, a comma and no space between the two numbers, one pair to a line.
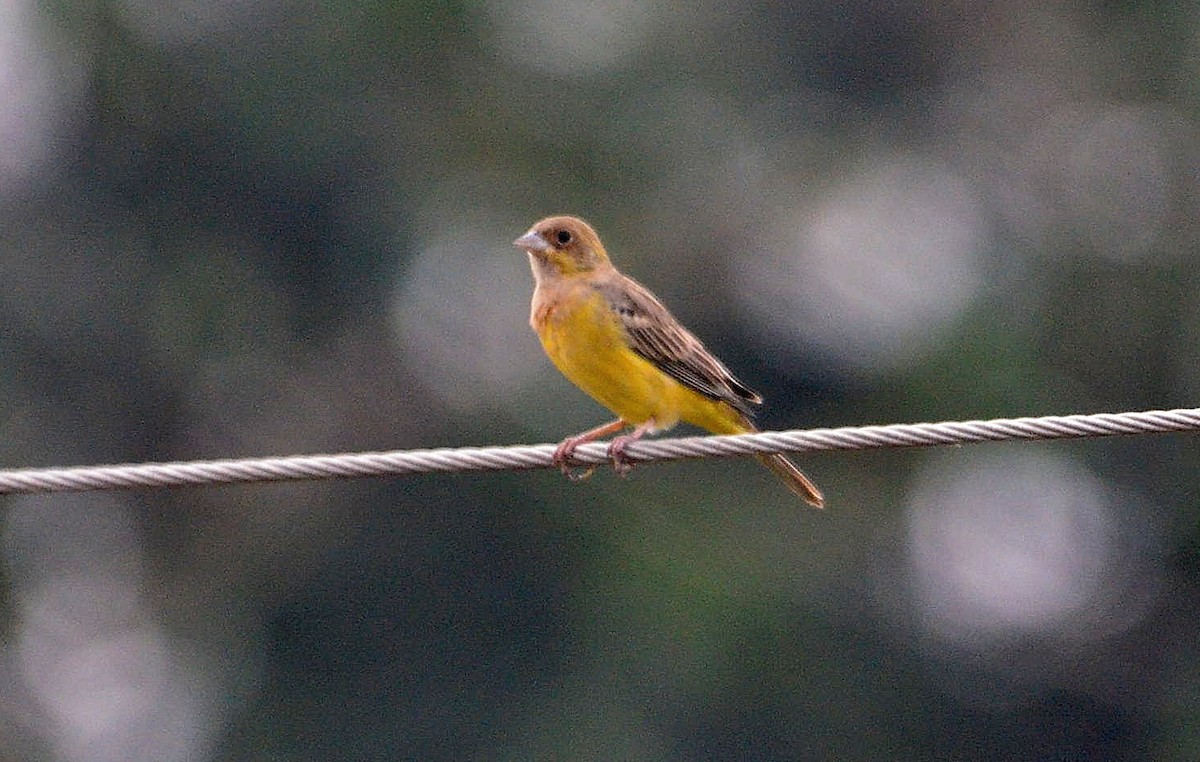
[613,338]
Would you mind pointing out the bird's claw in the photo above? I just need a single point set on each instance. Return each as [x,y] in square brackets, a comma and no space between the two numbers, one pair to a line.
[616,450]
[562,459]
[578,476]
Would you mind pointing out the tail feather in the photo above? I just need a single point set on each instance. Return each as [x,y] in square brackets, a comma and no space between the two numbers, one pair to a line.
[724,419]
[794,478]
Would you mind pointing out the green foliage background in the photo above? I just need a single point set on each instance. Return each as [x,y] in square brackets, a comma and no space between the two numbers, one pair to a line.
[261,227]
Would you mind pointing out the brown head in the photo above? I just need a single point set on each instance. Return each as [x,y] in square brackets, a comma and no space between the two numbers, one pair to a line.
[561,247]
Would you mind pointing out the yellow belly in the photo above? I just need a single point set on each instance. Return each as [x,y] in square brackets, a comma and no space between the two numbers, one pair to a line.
[588,345]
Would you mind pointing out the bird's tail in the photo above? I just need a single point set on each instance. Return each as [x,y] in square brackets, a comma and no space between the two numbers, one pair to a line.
[794,478]
[726,420]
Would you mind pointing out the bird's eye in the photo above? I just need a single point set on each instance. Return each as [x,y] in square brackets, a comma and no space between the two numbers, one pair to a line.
[563,237]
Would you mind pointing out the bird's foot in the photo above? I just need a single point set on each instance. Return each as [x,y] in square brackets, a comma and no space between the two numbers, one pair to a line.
[562,458]
[562,453]
[616,449]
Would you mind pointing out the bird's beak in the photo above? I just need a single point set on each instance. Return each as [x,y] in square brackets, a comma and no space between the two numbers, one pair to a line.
[532,241]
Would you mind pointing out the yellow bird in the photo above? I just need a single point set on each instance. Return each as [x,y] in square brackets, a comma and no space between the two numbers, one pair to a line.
[614,340]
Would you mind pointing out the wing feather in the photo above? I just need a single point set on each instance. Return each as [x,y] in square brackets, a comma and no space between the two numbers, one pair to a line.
[656,335]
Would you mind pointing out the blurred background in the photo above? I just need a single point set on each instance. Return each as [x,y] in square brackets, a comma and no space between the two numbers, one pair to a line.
[234,228]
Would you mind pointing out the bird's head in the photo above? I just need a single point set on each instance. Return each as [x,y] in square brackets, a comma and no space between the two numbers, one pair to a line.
[563,246]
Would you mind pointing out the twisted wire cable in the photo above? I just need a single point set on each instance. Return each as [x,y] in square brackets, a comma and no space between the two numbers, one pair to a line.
[523,457]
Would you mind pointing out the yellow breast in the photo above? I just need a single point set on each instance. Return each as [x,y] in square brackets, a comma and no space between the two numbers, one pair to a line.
[585,340]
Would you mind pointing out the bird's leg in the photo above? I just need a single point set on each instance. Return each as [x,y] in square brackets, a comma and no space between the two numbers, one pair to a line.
[562,455]
[616,449]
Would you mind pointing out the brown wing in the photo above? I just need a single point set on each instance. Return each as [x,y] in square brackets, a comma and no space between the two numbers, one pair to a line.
[656,335]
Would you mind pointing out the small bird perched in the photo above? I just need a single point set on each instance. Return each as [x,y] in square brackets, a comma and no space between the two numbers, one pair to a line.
[614,340]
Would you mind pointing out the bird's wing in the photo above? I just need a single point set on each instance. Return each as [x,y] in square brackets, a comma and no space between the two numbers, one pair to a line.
[656,335]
